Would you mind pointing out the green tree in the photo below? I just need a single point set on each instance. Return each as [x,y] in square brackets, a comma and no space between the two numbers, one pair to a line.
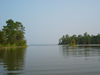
[98,38]
[88,39]
[81,39]
[14,32]
[85,37]
[1,37]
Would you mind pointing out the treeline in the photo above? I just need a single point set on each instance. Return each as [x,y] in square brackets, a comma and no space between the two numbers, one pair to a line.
[80,39]
[12,34]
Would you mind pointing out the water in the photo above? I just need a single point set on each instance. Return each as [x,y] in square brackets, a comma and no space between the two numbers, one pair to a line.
[50,60]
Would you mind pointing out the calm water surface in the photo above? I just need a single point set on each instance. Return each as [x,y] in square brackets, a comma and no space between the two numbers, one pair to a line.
[50,60]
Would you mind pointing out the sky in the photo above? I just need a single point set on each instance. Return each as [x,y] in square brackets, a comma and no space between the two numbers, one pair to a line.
[46,21]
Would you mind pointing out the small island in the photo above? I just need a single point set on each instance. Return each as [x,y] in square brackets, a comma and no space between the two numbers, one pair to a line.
[80,39]
[12,35]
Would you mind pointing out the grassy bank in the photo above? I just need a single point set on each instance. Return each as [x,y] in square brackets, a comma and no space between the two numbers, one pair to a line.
[2,46]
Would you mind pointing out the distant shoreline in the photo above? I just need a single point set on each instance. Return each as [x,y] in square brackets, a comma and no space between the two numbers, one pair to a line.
[85,45]
[89,45]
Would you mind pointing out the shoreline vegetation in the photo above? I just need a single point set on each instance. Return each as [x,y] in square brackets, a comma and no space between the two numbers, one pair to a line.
[12,35]
[85,45]
[75,40]
[12,47]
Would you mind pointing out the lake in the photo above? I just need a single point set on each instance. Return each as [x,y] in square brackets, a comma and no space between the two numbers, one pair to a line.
[50,60]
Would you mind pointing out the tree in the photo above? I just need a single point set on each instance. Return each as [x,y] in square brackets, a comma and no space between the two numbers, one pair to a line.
[73,41]
[1,37]
[60,41]
[88,39]
[81,39]
[14,32]
[98,38]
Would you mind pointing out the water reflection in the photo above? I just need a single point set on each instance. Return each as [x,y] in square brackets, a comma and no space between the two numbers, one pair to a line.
[12,61]
[69,51]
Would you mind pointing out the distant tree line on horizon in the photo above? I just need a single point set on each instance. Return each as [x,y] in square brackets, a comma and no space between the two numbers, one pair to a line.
[80,39]
[12,34]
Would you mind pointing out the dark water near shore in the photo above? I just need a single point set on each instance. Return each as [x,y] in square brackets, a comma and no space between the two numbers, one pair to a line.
[50,60]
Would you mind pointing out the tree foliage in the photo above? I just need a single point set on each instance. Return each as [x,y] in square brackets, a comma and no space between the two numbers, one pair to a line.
[80,39]
[73,41]
[13,33]
[1,37]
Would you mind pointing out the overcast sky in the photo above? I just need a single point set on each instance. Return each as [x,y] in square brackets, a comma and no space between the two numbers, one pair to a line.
[46,21]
